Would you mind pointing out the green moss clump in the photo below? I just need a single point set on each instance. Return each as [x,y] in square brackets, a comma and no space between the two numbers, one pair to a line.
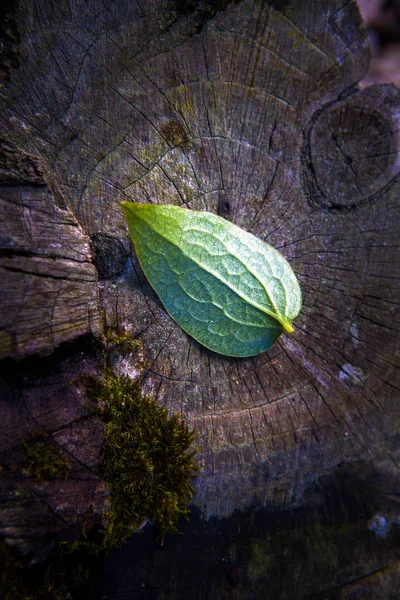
[11,576]
[112,337]
[44,460]
[148,459]
[175,133]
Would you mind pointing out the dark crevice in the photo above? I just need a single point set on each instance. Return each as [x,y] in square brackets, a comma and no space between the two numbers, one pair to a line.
[224,207]
[200,11]
[18,168]
[25,371]
[9,40]
[14,184]
[11,253]
[65,277]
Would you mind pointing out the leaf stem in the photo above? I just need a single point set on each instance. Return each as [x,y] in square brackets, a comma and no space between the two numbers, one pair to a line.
[287,327]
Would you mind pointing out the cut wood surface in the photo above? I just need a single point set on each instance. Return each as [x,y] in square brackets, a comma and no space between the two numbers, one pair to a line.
[250,110]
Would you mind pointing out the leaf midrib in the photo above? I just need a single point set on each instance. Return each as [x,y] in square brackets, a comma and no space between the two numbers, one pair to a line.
[283,322]
[264,310]
[221,307]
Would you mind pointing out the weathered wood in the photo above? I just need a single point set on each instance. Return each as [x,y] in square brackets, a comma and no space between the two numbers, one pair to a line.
[49,284]
[248,109]
[41,397]
[323,550]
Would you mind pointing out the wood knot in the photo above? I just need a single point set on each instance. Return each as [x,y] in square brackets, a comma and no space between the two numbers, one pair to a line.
[224,207]
[351,155]
[109,255]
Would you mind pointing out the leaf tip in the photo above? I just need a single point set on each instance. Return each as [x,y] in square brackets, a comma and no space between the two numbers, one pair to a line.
[288,327]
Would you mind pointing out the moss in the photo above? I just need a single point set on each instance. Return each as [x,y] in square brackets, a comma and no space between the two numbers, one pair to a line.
[57,579]
[44,459]
[152,153]
[62,580]
[148,459]
[11,576]
[314,544]
[175,133]
[113,338]
[184,101]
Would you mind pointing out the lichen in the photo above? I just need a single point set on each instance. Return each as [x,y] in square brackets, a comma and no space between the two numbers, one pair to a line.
[44,459]
[148,459]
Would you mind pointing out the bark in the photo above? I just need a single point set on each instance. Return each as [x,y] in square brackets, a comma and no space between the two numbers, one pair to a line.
[50,284]
[247,109]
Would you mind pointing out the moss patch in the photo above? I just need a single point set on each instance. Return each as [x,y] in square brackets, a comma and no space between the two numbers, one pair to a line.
[45,460]
[59,578]
[113,338]
[148,459]
[175,133]
[11,576]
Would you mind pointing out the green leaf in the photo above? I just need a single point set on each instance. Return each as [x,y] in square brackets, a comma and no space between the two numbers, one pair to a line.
[228,289]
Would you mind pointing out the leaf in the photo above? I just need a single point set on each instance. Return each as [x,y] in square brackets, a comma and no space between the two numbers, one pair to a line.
[228,289]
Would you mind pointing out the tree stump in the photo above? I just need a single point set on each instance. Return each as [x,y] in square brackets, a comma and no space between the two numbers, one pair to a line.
[248,109]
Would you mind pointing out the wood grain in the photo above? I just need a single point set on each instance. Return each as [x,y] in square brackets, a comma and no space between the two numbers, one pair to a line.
[49,284]
[253,112]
